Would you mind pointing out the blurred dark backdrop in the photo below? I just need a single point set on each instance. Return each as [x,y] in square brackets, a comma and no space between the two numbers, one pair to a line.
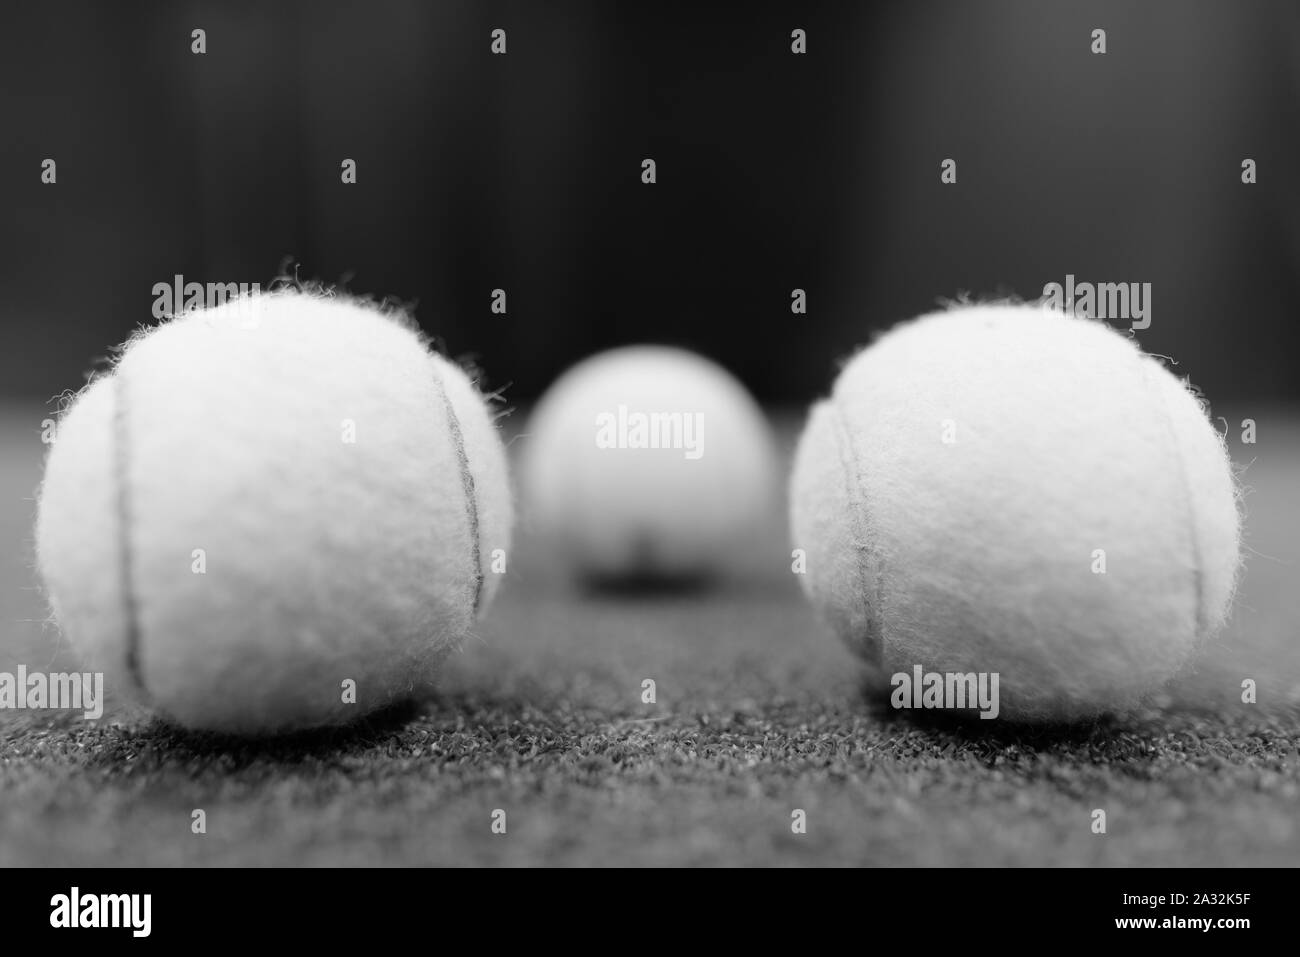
[775,171]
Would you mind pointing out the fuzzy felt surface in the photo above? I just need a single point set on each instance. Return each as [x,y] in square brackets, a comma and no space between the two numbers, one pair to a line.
[268,499]
[760,711]
[959,491]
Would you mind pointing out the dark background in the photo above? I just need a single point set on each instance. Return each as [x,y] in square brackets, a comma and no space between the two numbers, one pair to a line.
[775,171]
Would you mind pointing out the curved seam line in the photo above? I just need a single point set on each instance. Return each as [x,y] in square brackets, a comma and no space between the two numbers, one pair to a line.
[849,463]
[126,558]
[467,484]
[1197,574]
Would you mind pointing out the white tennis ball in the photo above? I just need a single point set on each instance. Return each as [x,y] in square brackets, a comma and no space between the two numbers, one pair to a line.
[266,500]
[1006,489]
[647,462]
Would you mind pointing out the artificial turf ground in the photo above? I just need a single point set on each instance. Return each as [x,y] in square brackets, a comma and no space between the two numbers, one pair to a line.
[759,712]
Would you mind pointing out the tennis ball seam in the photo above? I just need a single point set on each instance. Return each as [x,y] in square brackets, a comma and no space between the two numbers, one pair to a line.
[471,496]
[132,641]
[1185,483]
[873,611]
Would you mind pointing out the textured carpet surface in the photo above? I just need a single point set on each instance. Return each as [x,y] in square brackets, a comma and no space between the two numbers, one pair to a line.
[759,712]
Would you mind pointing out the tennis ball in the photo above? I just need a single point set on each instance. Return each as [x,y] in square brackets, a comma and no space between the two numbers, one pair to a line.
[647,463]
[1006,489]
[266,500]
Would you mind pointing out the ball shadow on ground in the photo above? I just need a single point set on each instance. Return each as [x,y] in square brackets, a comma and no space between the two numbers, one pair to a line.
[646,586]
[967,728]
[177,743]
